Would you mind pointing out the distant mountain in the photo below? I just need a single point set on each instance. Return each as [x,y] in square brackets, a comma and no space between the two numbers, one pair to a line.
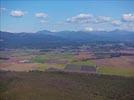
[116,35]
[47,39]
[29,40]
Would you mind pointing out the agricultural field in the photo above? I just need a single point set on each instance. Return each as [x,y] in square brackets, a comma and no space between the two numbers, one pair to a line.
[123,65]
[27,60]
[66,49]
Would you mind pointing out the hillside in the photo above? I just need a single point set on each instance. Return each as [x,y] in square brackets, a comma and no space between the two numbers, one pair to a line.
[47,39]
[64,86]
[29,40]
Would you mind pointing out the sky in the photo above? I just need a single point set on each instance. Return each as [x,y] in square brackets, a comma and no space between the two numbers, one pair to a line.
[62,15]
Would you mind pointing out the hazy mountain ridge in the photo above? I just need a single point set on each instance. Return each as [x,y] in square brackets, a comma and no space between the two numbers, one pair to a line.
[45,39]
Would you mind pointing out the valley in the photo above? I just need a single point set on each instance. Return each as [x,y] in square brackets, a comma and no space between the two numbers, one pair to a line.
[110,61]
[66,49]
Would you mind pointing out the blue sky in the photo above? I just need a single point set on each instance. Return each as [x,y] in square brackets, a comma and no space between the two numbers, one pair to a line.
[60,15]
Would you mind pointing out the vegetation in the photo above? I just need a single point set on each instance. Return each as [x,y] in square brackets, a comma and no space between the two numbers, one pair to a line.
[116,71]
[64,86]
[42,60]
[39,59]
[86,62]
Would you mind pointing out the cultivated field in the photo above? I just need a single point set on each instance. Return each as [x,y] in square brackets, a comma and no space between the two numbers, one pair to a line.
[27,60]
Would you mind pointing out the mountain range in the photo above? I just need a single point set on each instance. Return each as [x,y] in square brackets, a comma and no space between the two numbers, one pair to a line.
[47,39]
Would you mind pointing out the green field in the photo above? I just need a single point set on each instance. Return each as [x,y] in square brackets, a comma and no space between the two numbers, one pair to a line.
[43,65]
[42,85]
[116,71]
[52,59]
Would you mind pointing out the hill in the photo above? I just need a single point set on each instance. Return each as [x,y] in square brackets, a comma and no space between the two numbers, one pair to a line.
[64,86]
[47,39]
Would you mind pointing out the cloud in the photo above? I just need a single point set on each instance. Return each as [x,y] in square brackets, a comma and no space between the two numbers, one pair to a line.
[54,30]
[88,29]
[96,22]
[103,22]
[43,21]
[41,15]
[88,18]
[17,13]
[128,17]
[116,22]
[81,18]
[127,26]
[102,19]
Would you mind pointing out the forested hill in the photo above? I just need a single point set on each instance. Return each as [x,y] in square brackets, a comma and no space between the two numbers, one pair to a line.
[47,39]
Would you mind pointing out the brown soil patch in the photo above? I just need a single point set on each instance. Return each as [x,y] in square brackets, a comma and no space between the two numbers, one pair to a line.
[84,55]
[121,62]
[11,66]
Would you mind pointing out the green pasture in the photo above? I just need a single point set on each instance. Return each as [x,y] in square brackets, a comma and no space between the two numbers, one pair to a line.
[87,62]
[116,71]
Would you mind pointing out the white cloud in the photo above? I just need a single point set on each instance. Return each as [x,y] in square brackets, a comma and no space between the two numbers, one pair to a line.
[127,26]
[105,23]
[128,17]
[43,21]
[53,30]
[17,13]
[88,18]
[81,18]
[102,19]
[41,15]
[88,29]
[116,22]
